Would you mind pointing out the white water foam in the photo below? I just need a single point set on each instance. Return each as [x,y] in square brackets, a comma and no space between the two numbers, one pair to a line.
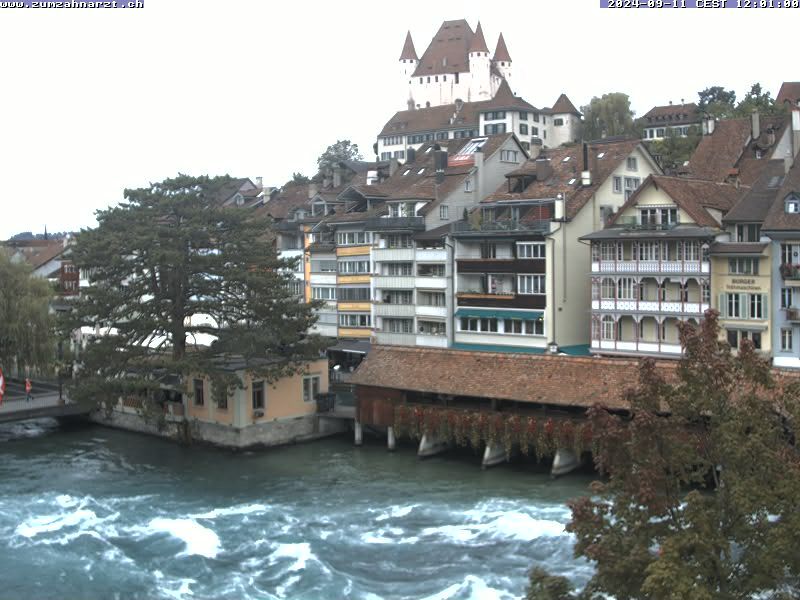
[471,587]
[300,553]
[246,509]
[199,540]
[396,512]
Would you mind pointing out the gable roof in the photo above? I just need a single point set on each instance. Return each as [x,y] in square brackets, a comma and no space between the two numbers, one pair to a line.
[530,378]
[755,202]
[564,106]
[673,114]
[789,92]
[565,164]
[453,116]
[730,146]
[36,253]
[777,218]
[290,198]
[447,52]
[694,196]
[408,49]
[501,51]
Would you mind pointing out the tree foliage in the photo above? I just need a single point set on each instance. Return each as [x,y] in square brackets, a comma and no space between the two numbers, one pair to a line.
[757,100]
[674,150]
[299,179]
[26,329]
[703,481]
[341,150]
[608,116]
[180,286]
[717,101]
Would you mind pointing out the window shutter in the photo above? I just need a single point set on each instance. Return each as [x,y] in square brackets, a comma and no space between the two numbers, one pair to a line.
[765,306]
[723,306]
[744,306]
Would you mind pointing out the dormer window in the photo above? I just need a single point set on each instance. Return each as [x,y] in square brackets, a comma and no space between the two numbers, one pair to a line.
[421,171]
[792,204]
[238,199]
[406,172]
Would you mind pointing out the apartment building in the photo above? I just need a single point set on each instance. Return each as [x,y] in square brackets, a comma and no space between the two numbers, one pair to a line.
[651,266]
[519,263]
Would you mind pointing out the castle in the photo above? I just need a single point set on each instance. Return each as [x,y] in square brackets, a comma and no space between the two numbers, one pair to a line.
[456,65]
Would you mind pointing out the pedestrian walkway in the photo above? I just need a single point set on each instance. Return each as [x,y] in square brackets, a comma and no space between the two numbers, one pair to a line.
[45,402]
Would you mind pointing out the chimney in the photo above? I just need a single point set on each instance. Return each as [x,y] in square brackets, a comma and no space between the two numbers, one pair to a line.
[558,209]
[543,169]
[394,164]
[312,190]
[586,174]
[709,123]
[411,156]
[260,183]
[795,132]
[755,127]
[536,148]
[337,177]
[440,164]
[479,173]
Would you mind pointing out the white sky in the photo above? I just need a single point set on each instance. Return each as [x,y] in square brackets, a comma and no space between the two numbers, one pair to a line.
[94,101]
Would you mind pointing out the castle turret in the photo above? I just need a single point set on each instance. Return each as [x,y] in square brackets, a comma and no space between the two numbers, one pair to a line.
[479,67]
[408,64]
[501,60]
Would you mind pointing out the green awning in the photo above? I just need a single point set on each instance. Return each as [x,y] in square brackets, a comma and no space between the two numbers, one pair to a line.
[499,313]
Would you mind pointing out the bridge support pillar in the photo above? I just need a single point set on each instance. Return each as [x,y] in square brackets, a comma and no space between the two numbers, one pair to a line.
[493,455]
[430,445]
[564,462]
[391,442]
[359,434]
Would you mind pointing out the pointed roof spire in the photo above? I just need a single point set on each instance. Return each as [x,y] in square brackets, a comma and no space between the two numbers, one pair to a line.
[501,52]
[564,106]
[478,42]
[408,49]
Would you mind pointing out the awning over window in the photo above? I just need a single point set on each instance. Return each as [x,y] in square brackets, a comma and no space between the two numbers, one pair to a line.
[502,313]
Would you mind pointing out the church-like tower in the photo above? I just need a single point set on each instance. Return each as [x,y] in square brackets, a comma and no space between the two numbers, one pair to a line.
[479,67]
[408,64]
[502,59]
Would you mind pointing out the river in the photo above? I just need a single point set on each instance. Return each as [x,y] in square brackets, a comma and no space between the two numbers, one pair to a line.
[97,513]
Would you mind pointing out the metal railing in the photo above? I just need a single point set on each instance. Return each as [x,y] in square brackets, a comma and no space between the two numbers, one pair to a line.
[538,226]
[416,223]
[634,223]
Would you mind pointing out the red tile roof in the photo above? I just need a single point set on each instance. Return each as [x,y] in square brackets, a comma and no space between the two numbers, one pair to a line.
[447,52]
[478,43]
[789,92]
[408,49]
[501,51]
[564,106]
[291,197]
[777,218]
[539,379]
[695,196]
[673,114]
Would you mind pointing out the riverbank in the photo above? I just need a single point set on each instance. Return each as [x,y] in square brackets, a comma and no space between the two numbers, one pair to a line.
[89,513]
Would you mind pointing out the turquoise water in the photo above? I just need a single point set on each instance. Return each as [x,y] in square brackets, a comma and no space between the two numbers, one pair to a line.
[99,513]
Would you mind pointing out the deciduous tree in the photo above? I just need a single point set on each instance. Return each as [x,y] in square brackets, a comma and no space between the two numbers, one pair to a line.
[717,101]
[607,116]
[341,150]
[26,328]
[181,285]
[703,481]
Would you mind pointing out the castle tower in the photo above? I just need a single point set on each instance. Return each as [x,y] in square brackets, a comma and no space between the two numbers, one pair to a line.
[502,59]
[408,64]
[480,66]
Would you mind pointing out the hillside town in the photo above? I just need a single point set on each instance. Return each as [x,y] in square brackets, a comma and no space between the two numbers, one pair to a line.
[490,225]
[547,282]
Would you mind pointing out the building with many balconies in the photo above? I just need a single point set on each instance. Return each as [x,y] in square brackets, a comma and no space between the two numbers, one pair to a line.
[650,268]
[519,263]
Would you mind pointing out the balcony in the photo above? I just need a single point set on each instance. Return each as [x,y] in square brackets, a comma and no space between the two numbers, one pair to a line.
[395,224]
[632,346]
[504,300]
[394,282]
[673,267]
[436,312]
[793,315]
[465,228]
[501,265]
[393,254]
[790,272]
[651,306]
[431,255]
[383,309]
[633,224]
[395,339]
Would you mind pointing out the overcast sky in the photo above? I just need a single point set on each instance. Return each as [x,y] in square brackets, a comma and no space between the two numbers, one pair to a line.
[94,101]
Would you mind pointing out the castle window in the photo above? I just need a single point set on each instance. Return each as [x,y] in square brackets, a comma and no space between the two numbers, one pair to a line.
[429,79]
[444,77]
[420,79]
[558,122]
[523,116]
[536,117]
[436,78]
[456,77]
[523,128]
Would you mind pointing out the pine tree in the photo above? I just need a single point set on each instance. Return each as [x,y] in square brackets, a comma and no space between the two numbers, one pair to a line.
[180,285]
